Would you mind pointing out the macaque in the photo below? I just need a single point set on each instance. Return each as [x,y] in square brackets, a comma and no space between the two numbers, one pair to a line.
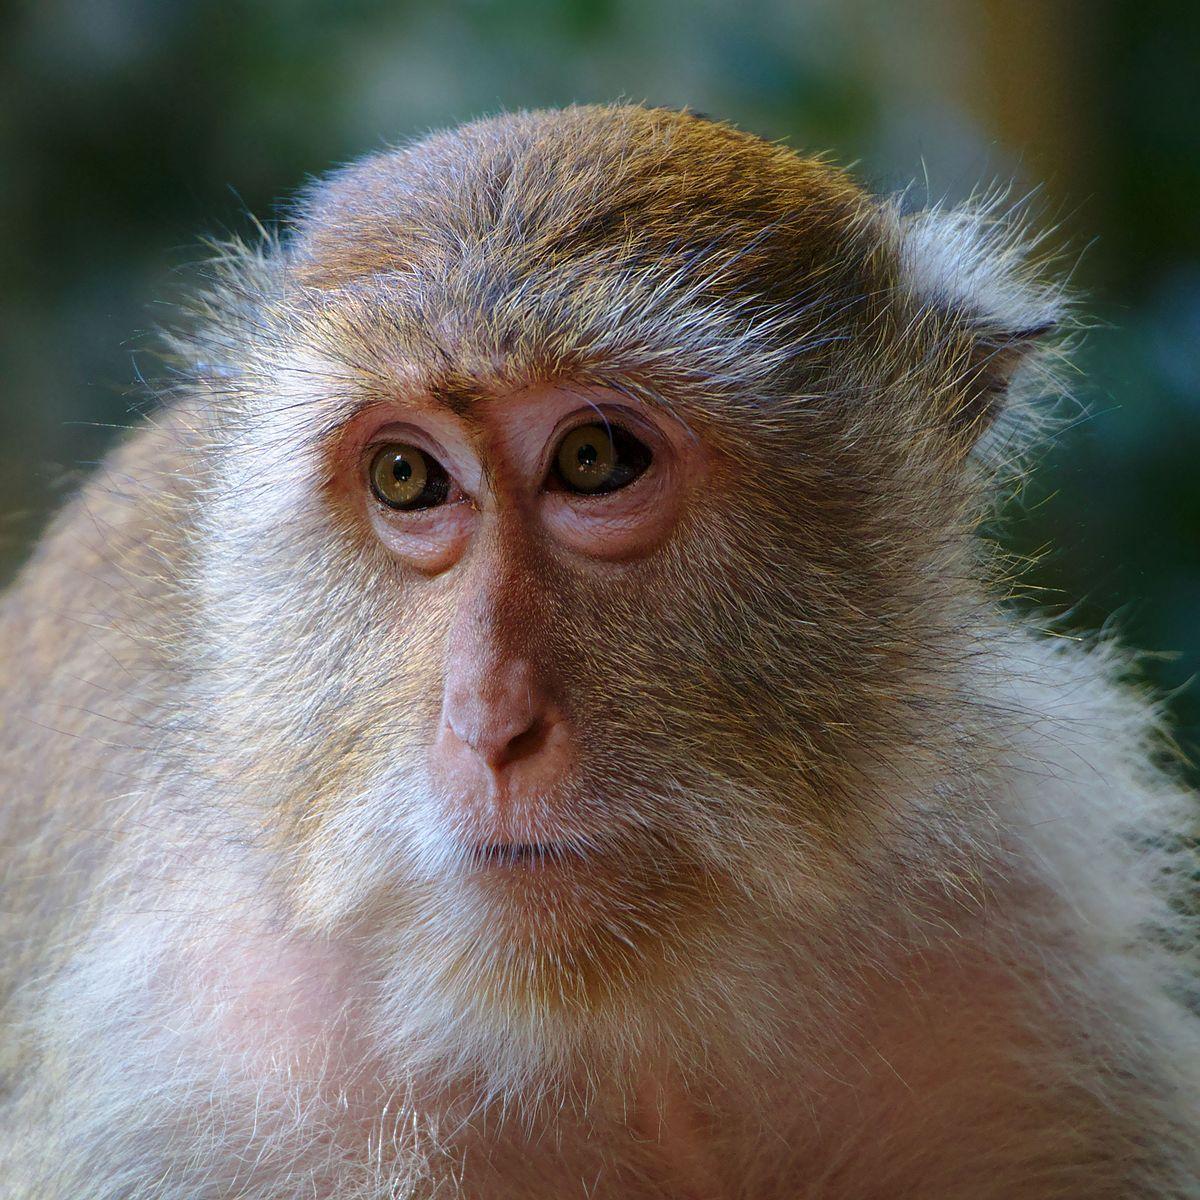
[532,717]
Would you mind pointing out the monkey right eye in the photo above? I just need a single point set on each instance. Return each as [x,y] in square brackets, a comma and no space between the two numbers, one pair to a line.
[406,478]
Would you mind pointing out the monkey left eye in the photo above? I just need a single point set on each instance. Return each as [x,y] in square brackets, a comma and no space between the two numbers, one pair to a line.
[594,459]
[406,478]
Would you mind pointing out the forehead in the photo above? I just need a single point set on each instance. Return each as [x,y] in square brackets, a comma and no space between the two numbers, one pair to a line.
[620,247]
[314,396]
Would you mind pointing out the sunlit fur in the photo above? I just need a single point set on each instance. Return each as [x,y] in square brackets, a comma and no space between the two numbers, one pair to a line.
[892,866]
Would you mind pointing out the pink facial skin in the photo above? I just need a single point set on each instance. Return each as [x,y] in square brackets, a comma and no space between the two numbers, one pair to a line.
[504,743]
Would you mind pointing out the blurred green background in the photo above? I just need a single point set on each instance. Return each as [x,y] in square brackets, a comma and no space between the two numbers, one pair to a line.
[128,127]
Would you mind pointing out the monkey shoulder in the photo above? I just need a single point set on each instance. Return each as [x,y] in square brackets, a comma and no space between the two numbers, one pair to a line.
[83,691]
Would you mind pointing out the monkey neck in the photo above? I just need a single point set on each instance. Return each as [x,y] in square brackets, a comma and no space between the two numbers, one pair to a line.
[672,1126]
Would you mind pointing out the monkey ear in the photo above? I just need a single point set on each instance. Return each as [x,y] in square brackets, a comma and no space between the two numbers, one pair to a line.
[994,358]
[980,273]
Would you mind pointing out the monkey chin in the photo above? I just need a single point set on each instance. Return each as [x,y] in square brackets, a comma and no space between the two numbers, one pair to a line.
[556,911]
[571,929]
[533,973]
[530,951]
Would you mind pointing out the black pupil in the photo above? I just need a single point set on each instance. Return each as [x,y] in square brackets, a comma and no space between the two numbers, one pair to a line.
[587,455]
[402,470]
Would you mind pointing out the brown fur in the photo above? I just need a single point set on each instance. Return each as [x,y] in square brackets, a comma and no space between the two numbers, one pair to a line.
[893,855]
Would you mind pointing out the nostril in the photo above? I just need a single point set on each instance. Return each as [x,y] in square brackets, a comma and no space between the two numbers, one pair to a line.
[524,745]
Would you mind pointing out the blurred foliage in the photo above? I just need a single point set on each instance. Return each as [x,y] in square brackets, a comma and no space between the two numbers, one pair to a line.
[127,127]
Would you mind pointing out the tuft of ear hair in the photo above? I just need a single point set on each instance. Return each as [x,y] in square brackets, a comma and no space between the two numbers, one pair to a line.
[982,276]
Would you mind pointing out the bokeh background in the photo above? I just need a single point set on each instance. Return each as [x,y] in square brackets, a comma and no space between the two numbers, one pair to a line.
[129,127]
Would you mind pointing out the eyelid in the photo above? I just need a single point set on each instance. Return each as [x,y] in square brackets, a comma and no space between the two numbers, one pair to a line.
[601,414]
[404,434]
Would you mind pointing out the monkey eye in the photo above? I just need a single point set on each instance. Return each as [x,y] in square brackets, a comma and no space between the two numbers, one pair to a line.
[406,478]
[594,459]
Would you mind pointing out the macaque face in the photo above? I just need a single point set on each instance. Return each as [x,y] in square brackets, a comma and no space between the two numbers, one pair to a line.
[480,511]
[517,544]
[552,675]
[577,608]
[503,711]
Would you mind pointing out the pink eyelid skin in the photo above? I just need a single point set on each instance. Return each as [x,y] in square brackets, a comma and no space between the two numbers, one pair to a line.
[516,436]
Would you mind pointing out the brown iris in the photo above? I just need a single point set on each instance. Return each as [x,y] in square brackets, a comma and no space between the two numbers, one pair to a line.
[594,459]
[406,478]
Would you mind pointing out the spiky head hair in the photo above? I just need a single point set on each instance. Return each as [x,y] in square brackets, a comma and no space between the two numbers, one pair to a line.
[657,247]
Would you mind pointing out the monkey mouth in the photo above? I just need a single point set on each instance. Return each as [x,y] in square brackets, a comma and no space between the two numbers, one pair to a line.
[527,856]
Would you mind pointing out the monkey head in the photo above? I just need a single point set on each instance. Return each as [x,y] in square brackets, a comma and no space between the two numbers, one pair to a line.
[581,493]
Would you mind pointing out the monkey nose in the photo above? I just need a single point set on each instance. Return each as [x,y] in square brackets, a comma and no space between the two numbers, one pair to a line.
[503,717]
[501,741]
